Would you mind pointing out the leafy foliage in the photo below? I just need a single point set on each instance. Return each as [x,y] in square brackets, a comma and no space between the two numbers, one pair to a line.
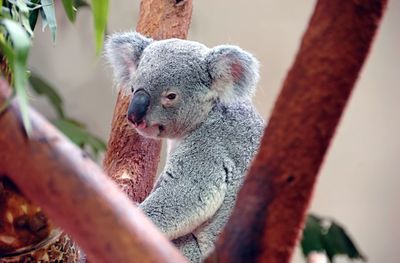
[71,7]
[70,10]
[49,16]
[100,13]
[79,135]
[41,87]
[18,19]
[329,237]
[16,53]
[73,129]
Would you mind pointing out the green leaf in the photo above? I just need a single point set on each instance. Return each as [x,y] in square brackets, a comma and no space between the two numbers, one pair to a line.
[6,13]
[26,24]
[338,242]
[14,13]
[49,12]
[80,3]
[70,9]
[311,241]
[75,122]
[42,87]
[18,58]
[96,144]
[33,17]
[100,13]
[44,19]
[34,7]
[79,135]
[326,236]
[23,11]
[75,133]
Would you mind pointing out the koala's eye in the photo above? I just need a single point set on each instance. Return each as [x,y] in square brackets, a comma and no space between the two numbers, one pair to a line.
[171,96]
[169,99]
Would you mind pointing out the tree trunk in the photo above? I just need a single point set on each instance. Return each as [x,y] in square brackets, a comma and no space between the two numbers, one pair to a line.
[131,160]
[272,204]
[74,192]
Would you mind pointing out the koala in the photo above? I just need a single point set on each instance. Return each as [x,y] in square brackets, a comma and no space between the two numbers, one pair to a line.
[199,100]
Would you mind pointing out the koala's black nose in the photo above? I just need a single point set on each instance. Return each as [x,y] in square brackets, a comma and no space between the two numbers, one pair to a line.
[138,106]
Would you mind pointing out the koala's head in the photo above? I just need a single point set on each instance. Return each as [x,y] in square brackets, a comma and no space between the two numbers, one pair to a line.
[175,83]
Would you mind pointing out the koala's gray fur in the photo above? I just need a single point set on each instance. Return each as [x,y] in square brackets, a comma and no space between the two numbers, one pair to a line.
[213,130]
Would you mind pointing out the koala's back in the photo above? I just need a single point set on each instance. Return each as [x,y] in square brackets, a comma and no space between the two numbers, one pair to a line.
[229,137]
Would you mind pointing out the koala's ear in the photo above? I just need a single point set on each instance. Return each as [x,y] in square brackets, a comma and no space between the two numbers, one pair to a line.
[234,72]
[123,52]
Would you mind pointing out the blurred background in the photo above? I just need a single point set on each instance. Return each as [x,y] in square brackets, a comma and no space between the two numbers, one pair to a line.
[359,181]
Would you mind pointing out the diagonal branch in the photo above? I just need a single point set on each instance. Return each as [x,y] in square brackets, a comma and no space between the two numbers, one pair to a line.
[271,206]
[132,160]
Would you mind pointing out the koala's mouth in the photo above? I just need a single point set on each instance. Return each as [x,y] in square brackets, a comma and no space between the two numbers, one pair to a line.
[153,131]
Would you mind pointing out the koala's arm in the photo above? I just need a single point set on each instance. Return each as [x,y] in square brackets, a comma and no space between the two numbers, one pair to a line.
[186,197]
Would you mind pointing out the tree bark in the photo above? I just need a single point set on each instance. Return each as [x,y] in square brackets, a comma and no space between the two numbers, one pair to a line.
[74,192]
[272,204]
[26,234]
[131,160]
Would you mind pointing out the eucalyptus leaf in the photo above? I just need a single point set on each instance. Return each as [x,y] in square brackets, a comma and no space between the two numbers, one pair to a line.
[338,242]
[327,236]
[6,12]
[44,19]
[34,4]
[14,13]
[74,133]
[20,13]
[100,14]
[311,241]
[42,87]
[80,135]
[26,24]
[22,6]
[49,12]
[21,44]
[70,9]
[33,17]
[97,145]
[80,3]
[75,122]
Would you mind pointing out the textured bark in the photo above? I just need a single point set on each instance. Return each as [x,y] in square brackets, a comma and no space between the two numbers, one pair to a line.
[271,206]
[74,192]
[132,160]
[26,234]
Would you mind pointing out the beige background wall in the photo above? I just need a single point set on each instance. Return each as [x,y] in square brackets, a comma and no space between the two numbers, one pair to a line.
[360,179]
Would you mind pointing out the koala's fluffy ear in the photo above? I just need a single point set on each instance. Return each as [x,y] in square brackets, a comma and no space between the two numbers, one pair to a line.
[234,72]
[123,52]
